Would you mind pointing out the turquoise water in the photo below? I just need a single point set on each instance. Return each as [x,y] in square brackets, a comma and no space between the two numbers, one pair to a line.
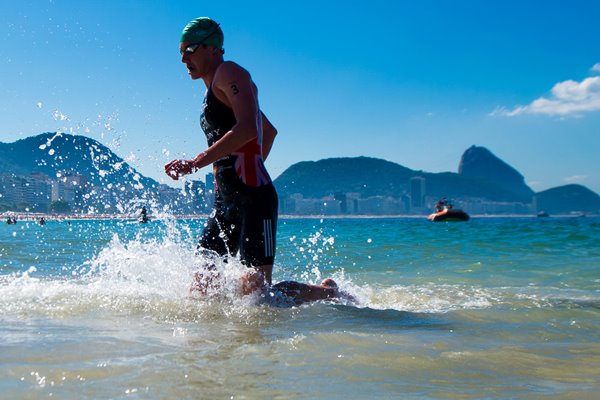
[492,308]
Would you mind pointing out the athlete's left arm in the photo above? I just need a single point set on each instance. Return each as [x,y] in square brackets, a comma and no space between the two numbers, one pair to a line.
[269,133]
[233,82]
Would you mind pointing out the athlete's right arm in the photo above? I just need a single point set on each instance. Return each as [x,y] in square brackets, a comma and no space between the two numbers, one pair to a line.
[236,86]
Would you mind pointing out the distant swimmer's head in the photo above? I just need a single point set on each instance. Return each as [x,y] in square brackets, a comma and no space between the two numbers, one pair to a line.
[203,30]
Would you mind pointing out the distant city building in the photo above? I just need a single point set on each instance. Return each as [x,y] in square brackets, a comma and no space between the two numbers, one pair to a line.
[352,200]
[31,192]
[341,197]
[380,205]
[342,204]
[167,194]
[287,205]
[483,206]
[69,188]
[296,204]
[39,193]
[405,200]
[10,189]
[417,192]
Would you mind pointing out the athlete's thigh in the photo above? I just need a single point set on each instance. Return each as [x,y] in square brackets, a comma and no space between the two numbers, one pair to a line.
[259,230]
[220,235]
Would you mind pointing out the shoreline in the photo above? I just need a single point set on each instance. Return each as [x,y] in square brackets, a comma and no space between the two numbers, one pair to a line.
[31,216]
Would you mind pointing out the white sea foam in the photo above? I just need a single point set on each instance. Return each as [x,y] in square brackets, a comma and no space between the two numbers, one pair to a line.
[124,276]
[152,275]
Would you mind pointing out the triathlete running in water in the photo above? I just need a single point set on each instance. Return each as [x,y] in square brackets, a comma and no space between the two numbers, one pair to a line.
[239,139]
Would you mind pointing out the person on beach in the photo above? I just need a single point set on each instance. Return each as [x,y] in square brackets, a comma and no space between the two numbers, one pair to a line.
[240,137]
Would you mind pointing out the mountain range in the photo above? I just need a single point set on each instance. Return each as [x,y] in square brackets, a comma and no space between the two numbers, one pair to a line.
[481,175]
[112,184]
[375,177]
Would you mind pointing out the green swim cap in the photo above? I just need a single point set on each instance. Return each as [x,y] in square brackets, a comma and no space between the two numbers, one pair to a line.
[203,30]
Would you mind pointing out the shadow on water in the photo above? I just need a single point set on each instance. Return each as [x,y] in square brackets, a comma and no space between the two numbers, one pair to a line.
[575,304]
[350,318]
[390,319]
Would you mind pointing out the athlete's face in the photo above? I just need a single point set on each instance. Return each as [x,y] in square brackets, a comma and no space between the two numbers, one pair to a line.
[196,58]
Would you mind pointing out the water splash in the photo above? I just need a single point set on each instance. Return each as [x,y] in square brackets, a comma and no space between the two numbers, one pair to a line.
[313,253]
[138,276]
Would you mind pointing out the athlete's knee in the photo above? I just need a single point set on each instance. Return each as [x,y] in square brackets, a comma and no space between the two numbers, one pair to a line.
[253,281]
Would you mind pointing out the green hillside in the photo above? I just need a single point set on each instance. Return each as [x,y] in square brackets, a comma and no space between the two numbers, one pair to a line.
[376,177]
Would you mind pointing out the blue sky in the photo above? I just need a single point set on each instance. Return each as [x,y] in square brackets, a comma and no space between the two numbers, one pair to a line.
[415,83]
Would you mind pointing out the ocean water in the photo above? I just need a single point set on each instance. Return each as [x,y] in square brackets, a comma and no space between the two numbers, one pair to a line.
[492,308]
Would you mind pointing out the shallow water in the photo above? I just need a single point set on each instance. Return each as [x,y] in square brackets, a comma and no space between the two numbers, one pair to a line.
[492,308]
